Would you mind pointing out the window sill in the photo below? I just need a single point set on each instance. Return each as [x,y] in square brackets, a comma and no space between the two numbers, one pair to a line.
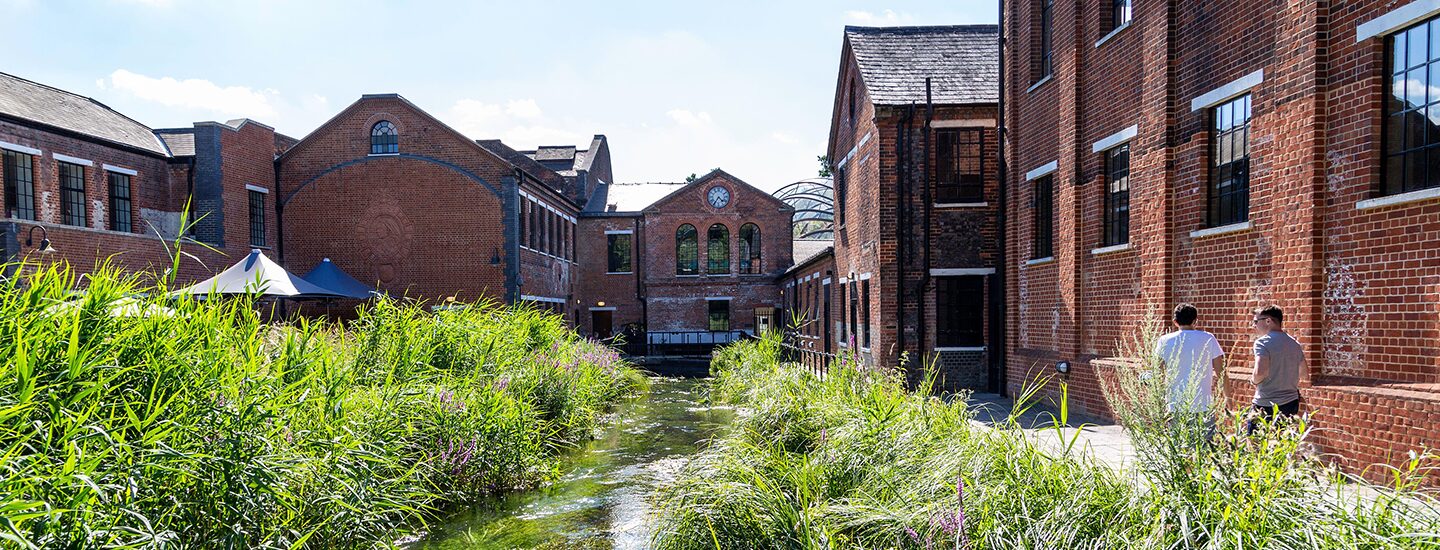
[1040,261]
[257,247]
[1110,249]
[683,276]
[961,204]
[1040,82]
[1402,198]
[383,155]
[1112,34]
[1221,230]
[619,272]
[960,348]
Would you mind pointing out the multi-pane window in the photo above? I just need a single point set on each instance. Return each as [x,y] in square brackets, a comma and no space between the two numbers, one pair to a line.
[717,250]
[840,195]
[960,306]
[840,326]
[1117,196]
[960,165]
[749,249]
[19,185]
[384,138]
[524,223]
[1229,193]
[854,307]
[257,218]
[865,313]
[1412,108]
[618,245]
[72,194]
[1043,226]
[1044,60]
[719,313]
[851,102]
[1119,13]
[687,250]
[119,201]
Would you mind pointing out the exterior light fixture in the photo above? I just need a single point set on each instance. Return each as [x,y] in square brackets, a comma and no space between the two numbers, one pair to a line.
[1062,367]
[599,304]
[44,247]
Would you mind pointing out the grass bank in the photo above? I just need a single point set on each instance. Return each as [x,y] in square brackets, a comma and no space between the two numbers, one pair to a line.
[128,421]
[855,460]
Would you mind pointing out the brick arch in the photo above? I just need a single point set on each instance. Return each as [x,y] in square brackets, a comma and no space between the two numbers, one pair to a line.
[408,156]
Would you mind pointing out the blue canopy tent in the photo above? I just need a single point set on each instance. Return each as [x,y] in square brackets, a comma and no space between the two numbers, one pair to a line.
[330,277]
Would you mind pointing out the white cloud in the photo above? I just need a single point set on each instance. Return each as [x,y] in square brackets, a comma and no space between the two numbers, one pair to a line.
[783,137]
[689,119]
[520,123]
[522,108]
[195,93]
[869,19]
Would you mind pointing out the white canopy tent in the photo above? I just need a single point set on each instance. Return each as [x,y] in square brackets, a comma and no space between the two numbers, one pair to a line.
[257,274]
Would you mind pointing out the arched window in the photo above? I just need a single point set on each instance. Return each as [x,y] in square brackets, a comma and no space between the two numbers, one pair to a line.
[687,250]
[749,249]
[717,251]
[384,139]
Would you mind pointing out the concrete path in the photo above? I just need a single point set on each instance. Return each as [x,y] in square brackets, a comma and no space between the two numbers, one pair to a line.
[1102,440]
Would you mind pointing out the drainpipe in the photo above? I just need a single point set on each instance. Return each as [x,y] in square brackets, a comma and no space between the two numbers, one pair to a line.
[279,216]
[925,207]
[997,290]
[902,150]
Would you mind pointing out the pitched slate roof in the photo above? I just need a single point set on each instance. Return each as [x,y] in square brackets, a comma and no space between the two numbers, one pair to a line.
[962,62]
[180,140]
[522,161]
[58,108]
[804,250]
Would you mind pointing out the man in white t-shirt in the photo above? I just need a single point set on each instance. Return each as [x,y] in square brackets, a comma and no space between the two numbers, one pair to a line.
[1192,361]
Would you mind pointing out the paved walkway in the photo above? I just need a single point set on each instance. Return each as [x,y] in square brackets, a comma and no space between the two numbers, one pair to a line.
[1101,439]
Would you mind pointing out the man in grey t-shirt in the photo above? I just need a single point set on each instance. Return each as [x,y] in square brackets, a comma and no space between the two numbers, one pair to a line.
[1278,362]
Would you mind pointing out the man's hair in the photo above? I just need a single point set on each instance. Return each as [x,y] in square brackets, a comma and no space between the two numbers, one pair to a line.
[1273,312]
[1185,314]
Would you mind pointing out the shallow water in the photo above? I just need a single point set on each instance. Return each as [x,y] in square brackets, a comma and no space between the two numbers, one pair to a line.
[602,498]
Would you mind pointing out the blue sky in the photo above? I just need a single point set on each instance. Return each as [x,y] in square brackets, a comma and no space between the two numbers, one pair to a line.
[678,87]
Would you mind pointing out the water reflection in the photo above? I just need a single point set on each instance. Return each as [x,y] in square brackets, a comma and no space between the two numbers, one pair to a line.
[602,499]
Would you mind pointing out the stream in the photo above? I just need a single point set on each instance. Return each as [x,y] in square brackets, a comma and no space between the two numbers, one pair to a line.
[601,500]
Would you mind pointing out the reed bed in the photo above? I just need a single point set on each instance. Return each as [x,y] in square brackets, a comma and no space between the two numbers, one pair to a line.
[858,460]
[130,420]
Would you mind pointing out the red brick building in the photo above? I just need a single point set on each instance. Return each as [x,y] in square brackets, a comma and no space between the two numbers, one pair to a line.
[1232,154]
[680,259]
[913,150]
[399,200]
[101,185]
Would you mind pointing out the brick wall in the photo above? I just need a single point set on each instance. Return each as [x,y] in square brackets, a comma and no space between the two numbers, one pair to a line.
[595,286]
[884,233]
[424,223]
[677,303]
[1359,285]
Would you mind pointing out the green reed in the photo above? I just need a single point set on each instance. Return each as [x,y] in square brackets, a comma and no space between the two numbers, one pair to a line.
[857,459]
[129,419]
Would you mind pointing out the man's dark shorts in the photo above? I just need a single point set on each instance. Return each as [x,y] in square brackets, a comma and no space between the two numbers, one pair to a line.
[1267,412]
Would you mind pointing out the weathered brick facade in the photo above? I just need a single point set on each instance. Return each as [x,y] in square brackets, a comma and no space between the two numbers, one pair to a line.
[159,179]
[896,235]
[664,301]
[1357,279]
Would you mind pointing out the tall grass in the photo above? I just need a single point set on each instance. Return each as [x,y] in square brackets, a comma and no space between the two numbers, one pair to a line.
[854,460]
[197,425]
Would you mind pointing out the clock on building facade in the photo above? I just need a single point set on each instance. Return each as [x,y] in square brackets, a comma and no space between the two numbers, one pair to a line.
[718,196]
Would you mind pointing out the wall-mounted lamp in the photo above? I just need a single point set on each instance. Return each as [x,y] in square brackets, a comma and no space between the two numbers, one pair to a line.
[599,304]
[44,247]
[495,257]
[1062,367]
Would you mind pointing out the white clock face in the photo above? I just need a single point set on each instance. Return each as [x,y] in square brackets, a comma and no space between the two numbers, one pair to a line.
[718,196]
